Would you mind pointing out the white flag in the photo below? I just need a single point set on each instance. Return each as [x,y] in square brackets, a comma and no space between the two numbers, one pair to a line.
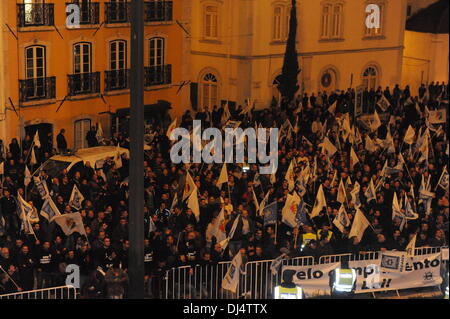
[71,223]
[231,280]
[27,180]
[192,203]
[327,147]
[290,176]
[360,223]
[376,122]
[411,247]
[383,103]
[172,126]
[36,140]
[263,203]
[76,198]
[33,160]
[409,135]
[353,156]
[223,177]
[49,210]
[332,108]
[370,145]
[341,195]
[218,229]
[99,133]
[355,195]
[341,220]
[370,192]
[189,186]
[255,200]
[443,180]
[118,158]
[289,212]
[319,204]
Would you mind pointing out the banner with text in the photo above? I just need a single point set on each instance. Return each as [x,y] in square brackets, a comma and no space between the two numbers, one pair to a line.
[418,271]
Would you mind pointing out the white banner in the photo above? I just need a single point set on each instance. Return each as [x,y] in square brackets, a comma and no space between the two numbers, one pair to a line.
[419,271]
[314,280]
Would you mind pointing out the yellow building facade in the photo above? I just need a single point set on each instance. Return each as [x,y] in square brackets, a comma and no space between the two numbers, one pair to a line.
[71,69]
[238,47]
[426,53]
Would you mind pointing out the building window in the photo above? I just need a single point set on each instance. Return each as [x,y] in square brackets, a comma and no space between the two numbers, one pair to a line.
[156,52]
[89,11]
[157,73]
[209,91]
[280,23]
[158,10]
[117,76]
[332,20]
[375,32]
[35,13]
[83,81]
[211,22]
[82,58]
[370,78]
[409,10]
[81,128]
[117,11]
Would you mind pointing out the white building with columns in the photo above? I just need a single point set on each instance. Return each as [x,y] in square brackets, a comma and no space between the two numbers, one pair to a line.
[237,47]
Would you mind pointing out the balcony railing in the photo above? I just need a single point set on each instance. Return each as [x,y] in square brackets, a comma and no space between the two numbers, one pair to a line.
[158,75]
[89,12]
[35,14]
[158,10]
[116,80]
[84,83]
[117,12]
[37,89]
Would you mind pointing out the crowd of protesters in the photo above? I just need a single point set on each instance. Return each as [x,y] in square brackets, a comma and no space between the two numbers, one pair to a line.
[175,237]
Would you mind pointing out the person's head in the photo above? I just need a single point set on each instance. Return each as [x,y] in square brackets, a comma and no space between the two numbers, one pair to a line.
[107,242]
[5,252]
[62,131]
[288,276]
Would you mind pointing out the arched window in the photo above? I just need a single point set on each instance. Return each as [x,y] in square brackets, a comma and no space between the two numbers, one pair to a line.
[35,71]
[209,91]
[211,16]
[156,52]
[370,78]
[82,56]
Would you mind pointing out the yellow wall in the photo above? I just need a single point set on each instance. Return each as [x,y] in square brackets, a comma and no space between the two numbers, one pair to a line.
[246,60]
[425,58]
[59,64]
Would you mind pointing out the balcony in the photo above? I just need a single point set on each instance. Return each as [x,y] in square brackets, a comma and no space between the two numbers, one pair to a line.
[158,75]
[35,15]
[117,12]
[158,11]
[89,12]
[37,89]
[84,83]
[117,80]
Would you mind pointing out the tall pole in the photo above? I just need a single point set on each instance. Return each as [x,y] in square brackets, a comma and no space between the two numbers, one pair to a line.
[136,199]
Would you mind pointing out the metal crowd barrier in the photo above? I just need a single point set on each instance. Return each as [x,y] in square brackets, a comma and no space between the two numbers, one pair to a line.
[259,282]
[256,282]
[198,282]
[63,292]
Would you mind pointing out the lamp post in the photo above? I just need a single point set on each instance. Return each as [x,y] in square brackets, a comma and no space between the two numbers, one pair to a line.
[136,168]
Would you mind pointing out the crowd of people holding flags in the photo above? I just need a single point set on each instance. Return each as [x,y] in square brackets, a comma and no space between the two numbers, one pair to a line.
[346,182]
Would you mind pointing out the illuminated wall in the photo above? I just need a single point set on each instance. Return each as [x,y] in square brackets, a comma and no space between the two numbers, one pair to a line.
[59,41]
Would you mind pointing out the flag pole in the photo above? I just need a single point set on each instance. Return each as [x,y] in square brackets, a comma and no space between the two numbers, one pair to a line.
[6,273]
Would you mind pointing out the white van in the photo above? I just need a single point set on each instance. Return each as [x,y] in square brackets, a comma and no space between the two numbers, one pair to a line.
[94,155]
